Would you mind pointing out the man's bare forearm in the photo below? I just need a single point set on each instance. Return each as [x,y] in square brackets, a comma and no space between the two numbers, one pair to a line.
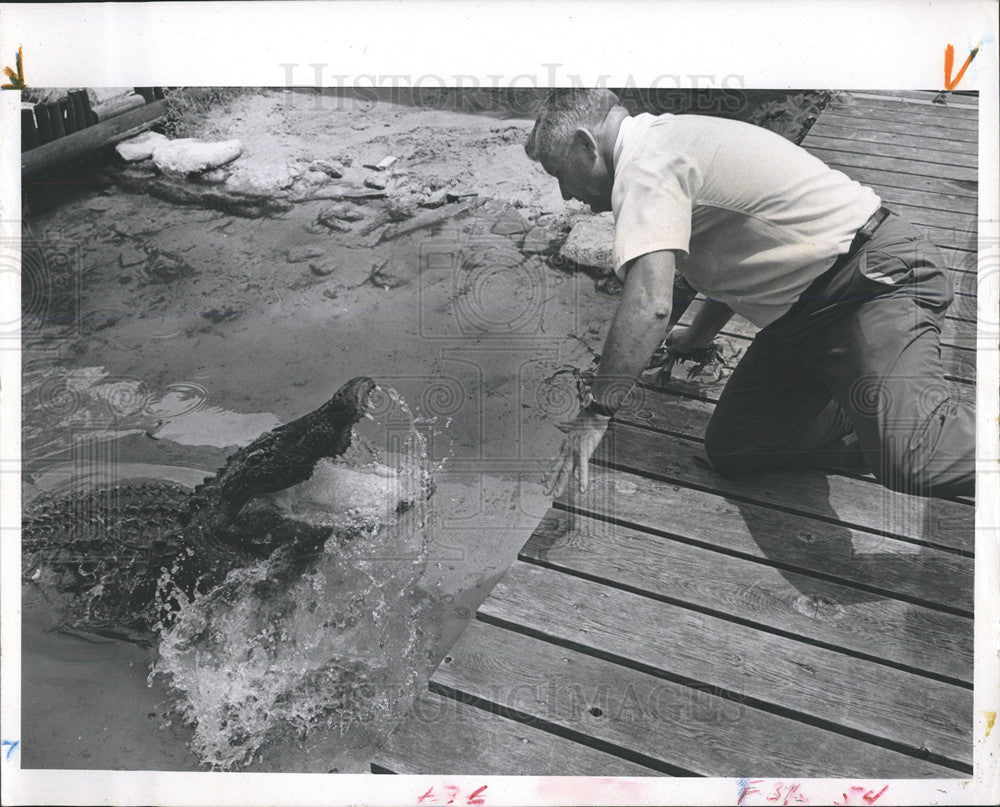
[638,327]
[710,318]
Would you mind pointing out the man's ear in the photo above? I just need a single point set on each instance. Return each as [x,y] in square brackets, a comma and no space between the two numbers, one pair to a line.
[584,139]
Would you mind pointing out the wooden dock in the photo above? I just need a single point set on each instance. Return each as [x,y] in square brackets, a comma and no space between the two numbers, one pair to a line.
[670,621]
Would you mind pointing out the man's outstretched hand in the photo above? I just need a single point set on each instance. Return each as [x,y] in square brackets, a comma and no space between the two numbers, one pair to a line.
[582,437]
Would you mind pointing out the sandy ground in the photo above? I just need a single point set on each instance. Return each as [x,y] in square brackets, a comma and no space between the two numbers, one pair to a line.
[196,333]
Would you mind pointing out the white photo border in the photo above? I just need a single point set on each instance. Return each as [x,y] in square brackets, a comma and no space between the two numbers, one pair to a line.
[838,44]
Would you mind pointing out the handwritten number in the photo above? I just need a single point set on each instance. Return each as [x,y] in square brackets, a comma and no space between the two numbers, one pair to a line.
[11,745]
[428,795]
[475,798]
[871,796]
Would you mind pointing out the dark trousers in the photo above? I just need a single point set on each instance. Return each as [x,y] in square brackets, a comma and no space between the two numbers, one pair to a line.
[858,352]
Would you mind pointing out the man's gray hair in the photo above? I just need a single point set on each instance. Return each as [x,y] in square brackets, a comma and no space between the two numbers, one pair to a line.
[561,114]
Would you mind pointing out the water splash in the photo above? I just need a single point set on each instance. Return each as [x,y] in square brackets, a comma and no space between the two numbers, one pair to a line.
[293,643]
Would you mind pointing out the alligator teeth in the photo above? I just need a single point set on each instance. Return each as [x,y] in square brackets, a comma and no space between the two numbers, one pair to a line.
[369,416]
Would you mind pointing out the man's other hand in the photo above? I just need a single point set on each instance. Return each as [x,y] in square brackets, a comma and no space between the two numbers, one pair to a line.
[582,437]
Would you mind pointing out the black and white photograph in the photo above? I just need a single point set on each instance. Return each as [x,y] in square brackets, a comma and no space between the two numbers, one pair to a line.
[619,433]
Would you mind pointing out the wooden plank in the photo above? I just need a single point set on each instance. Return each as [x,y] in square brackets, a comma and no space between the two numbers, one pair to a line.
[812,610]
[881,179]
[915,116]
[952,101]
[939,201]
[927,129]
[920,153]
[446,737]
[672,725]
[825,127]
[961,106]
[963,223]
[772,671]
[948,238]
[852,502]
[792,542]
[94,137]
[896,165]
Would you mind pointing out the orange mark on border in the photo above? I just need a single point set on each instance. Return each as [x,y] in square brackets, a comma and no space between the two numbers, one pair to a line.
[16,77]
[949,63]
[991,718]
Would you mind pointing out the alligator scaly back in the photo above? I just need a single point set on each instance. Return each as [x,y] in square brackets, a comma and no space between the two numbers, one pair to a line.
[114,556]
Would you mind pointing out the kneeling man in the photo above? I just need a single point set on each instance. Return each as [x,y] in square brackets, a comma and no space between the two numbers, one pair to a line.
[849,297]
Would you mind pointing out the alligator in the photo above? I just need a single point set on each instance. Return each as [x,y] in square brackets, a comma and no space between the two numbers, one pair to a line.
[127,553]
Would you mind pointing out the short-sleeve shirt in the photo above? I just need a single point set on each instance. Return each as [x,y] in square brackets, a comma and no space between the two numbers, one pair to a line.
[753,218]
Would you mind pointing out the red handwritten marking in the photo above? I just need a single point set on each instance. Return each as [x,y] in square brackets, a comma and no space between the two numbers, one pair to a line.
[949,62]
[868,797]
[474,798]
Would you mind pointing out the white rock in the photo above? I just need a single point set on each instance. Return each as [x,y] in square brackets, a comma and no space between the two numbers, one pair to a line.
[260,179]
[189,156]
[140,147]
[590,242]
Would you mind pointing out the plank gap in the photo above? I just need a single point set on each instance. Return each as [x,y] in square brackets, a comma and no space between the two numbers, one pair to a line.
[541,724]
[733,553]
[722,692]
[632,469]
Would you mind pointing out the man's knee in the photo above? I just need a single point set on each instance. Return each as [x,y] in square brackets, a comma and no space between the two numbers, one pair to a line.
[899,472]
[723,453]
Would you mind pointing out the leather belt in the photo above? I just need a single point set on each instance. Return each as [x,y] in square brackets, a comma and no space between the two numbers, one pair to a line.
[867,230]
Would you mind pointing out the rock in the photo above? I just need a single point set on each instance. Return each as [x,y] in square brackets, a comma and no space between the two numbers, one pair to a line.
[391,274]
[434,198]
[131,256]
[260,179]
[301,254]
[331,293]
[214,177]
[100,205]
[140,147]
[458,193]
[540,239]
[167,268]
[377,164]
[322,268]
[400,209]
[609,284]
[590,242]
[511,223]
[315,228]
[315,178]
[189,156]
[334,225]
[343,212]
[377,182]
